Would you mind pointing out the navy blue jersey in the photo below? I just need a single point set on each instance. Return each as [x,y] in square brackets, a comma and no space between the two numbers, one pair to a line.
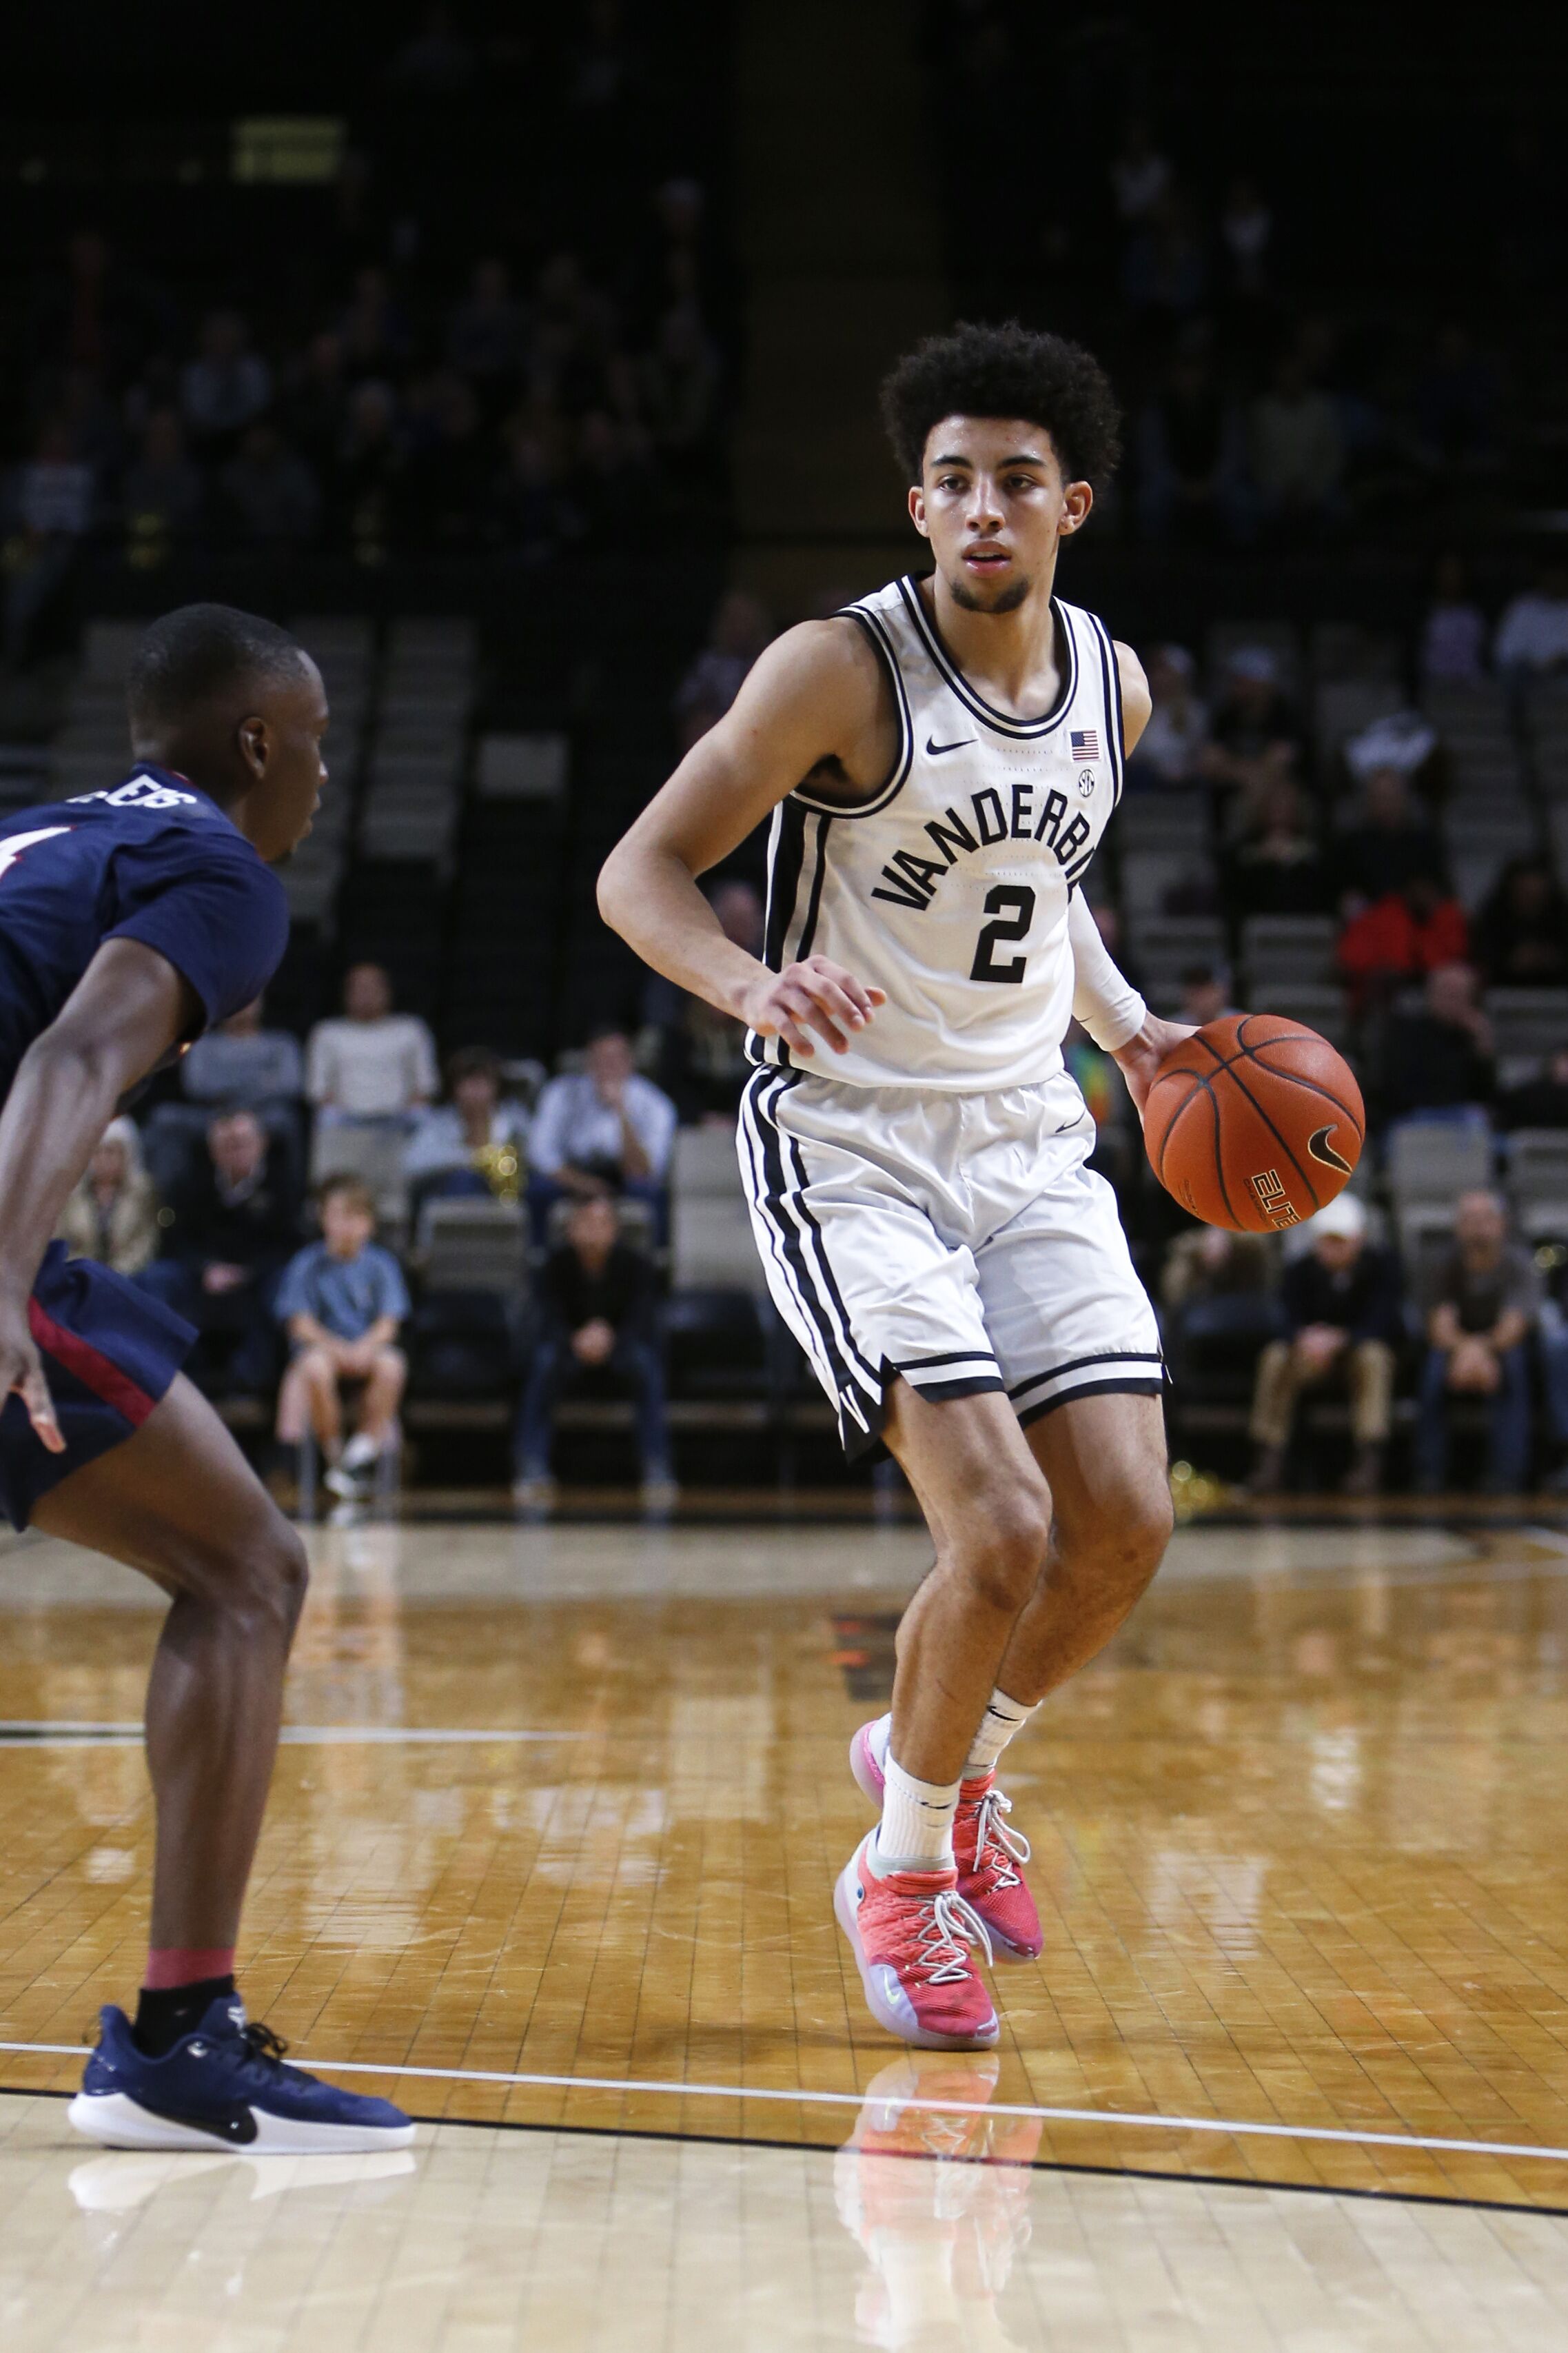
[151,858]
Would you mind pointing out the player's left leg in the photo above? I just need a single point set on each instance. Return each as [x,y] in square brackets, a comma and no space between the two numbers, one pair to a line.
[1103,1458]
[179,1502]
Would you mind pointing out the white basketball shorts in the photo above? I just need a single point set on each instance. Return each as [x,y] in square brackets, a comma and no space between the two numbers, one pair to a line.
[955,1239]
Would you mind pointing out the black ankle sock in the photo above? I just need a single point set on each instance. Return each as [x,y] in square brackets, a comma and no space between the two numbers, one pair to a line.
[165,2015]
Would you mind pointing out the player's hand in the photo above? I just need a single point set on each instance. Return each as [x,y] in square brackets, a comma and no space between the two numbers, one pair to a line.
[814,995]
[1140,1058]
[22,1374]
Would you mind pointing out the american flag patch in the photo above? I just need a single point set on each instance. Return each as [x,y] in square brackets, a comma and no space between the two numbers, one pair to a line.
[1085,742]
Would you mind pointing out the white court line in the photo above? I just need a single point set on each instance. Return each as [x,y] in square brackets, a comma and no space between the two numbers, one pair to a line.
[1234,2128]
[60,1732]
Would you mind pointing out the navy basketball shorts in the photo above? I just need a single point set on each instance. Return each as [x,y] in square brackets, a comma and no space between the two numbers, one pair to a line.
[955,1239]
[109,1353]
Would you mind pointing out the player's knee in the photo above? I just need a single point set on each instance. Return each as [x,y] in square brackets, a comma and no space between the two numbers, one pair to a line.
[267,1581]
[1004,1554]
[1121,1549]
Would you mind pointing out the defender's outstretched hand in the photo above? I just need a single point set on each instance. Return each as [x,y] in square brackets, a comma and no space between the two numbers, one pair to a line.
[814,995]
[1140,1058]
[22,1374]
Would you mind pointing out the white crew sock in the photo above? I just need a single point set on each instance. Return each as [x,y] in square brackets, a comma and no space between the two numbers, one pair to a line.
[360,1452]
[1002,1719]
[915,1832]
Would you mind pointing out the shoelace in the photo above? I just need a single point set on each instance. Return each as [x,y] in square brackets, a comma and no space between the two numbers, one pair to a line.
[266,2048]
[992,1830]
[950,1924]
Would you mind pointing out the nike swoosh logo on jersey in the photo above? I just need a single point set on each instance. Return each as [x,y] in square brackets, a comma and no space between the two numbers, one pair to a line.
[1322,1150]
[934,750]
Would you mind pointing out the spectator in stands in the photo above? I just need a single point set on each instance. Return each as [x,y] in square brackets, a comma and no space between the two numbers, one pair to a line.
[1454,634]
[315,400]
[1192,457]
[244,1066]
[1541,1101]
[1392,843]
[1481,1305]
[599,1309]
[1532,635]
[342,1301]
[1402,937]
[270,490]
[680,378]
[368,481]
[473,1143]
[1522,931]
[603,1126]
[487,338]
[1296,449]
[1247,231]
[449,473]
[373,1063]
[1343,1321]
[235,1220]
[111,1213]
[1139,173]
[702,1063]
[740,630]
[161,495]
[1255,733]
[1170,751]
[1456,405]
[1276,867]
[227,385]
[1441,1059]
[1218,1302]
[1165,270]
[530,512]
[46,512]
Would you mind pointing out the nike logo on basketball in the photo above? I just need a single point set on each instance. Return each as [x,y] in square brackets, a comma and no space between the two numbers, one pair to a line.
[1322,1150]
[935,750]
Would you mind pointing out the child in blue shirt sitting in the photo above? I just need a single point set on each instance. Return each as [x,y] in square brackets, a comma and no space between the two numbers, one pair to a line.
[341,1301]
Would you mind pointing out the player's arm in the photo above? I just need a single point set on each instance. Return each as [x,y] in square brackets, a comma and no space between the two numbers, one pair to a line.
[125,1013]
[813,696]
[1109,1009]
[1137,702]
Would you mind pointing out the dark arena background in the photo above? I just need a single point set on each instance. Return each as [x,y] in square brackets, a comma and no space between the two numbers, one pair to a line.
[524,363]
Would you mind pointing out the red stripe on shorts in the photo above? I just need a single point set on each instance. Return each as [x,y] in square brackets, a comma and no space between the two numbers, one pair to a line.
[91,1367]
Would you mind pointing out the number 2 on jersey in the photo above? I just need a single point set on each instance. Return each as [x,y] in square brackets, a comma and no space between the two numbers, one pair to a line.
[1012,904]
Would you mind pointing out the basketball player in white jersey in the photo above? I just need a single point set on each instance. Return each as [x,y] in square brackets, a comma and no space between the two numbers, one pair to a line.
[940,762]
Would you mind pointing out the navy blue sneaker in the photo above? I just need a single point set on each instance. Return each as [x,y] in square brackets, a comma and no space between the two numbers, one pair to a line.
[224,2086]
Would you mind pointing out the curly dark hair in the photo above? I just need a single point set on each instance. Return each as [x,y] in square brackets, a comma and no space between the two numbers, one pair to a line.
[1006,371]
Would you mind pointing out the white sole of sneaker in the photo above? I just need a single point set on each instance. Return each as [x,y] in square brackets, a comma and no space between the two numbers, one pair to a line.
[115,2121]
[844,1912]
[867,1780]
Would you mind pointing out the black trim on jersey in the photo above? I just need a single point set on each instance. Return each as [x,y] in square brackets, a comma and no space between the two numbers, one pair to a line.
[1113,735]
[1129,1387]
[1113,704]
[999,721]
[1075,874]
[813,905]
[785,855]
[893,783]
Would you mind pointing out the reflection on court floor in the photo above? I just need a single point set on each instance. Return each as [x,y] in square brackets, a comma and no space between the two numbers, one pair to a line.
[552,1846]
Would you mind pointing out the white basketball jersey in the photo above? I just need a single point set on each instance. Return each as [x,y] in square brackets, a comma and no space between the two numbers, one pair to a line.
[950,889]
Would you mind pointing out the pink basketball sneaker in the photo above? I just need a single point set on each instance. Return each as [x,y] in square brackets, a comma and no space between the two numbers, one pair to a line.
[986,1851]
[911,1934]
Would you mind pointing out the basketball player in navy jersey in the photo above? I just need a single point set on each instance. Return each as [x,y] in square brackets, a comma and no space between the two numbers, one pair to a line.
[940,762]
[131,920]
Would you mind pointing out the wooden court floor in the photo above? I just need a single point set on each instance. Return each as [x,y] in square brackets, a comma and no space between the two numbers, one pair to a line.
[552,1844]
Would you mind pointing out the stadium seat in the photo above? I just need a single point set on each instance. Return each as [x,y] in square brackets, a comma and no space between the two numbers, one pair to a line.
[1537,1182]
[473,1246]
[1282,950]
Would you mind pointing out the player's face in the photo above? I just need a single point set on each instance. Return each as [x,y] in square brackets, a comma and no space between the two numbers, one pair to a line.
[288,736]
[993,503]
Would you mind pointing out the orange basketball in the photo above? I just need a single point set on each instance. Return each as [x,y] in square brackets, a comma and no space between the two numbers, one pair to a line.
[1254,1123]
